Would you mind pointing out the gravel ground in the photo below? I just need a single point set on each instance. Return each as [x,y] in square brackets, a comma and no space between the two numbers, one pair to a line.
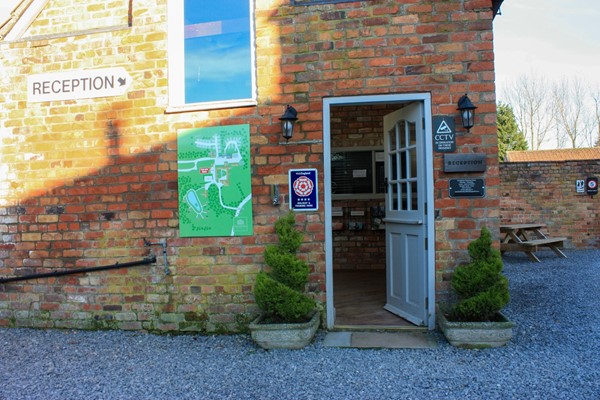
[555,354]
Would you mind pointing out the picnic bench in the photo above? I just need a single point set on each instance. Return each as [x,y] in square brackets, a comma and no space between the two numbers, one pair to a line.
[528,238]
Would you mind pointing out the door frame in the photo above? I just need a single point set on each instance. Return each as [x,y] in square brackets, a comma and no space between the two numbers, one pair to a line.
[403,98]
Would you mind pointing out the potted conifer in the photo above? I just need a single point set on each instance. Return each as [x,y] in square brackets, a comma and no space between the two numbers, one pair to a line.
[475,320]
[289,318]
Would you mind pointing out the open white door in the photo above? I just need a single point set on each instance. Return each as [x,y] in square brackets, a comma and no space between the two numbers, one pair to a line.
[405,220]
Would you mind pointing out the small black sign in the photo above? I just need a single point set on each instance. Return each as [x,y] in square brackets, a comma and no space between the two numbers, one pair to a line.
[591,186]
[467,187]
[464,163]
[444,135]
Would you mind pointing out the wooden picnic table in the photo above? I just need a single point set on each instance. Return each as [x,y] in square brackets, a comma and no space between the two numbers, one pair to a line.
[528,238]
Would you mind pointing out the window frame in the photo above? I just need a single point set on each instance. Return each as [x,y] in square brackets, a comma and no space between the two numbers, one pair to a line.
[315,2]
[176,64]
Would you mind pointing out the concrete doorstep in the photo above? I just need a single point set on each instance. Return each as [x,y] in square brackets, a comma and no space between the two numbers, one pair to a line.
[380,340]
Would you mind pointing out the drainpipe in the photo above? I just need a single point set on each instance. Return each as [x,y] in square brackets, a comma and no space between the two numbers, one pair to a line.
[145,261]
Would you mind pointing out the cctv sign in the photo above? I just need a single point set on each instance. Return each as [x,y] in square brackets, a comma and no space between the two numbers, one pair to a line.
[78,84]
[444,134]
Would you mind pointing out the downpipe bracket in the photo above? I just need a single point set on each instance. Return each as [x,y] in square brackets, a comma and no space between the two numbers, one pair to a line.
[162,243]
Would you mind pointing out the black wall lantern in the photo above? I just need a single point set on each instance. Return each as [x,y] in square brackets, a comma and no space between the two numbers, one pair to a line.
[467,112]
[288,119]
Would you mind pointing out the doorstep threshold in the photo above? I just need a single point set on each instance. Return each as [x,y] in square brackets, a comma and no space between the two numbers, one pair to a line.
[381,340]
[379,328]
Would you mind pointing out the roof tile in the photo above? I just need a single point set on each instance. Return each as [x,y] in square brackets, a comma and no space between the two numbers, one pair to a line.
[592,153]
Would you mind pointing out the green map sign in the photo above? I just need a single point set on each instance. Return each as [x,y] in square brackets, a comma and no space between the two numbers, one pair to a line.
[215,191]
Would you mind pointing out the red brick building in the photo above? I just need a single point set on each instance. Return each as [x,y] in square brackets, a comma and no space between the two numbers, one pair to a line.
[132,126]
[549,186]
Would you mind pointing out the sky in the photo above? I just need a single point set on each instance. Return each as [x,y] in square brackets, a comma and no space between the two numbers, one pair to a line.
[552,38]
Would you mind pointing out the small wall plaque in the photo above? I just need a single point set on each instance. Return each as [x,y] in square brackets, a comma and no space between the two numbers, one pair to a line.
[444,134]
[591,185]
[304,195]
[464,163]
[580,185]
[467,187]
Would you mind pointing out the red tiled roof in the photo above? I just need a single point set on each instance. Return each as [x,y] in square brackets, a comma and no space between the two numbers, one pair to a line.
[592,153]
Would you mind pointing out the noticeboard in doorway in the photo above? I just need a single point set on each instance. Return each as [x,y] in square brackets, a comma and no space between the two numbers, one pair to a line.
[357,172]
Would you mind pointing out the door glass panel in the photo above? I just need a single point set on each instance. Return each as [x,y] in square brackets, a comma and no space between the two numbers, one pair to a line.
[401,129]
[412,133]
[403,172]
[394,167]
[413,162]
[394,200]
[406,197]
[392,138]
[414,189]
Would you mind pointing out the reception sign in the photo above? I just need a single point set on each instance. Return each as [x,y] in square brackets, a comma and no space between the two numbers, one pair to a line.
[78,84]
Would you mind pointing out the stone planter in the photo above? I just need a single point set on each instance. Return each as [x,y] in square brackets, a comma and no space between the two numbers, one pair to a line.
[476,335]
[284,336]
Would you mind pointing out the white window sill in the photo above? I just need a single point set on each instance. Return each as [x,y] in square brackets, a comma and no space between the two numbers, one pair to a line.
[171,109]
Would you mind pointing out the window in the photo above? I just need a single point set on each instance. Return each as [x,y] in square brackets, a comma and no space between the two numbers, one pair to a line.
[357,173]
[211,54]
[310,2]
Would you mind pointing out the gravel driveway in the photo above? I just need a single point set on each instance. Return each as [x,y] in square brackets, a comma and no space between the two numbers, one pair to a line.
[555,354]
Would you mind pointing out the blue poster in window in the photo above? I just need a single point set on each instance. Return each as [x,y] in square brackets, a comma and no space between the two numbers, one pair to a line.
[304,194]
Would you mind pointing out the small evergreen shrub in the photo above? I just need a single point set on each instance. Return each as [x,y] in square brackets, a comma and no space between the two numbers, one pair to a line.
[280,292]
[481,288]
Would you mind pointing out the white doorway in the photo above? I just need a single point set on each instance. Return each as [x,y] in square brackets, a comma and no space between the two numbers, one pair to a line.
[410,244]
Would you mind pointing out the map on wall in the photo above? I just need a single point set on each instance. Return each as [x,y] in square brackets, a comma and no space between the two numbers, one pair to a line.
[215,191]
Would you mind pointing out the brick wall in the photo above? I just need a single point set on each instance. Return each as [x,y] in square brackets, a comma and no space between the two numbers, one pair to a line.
[546,192]
[362,247]
[83,183]
[65,16]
